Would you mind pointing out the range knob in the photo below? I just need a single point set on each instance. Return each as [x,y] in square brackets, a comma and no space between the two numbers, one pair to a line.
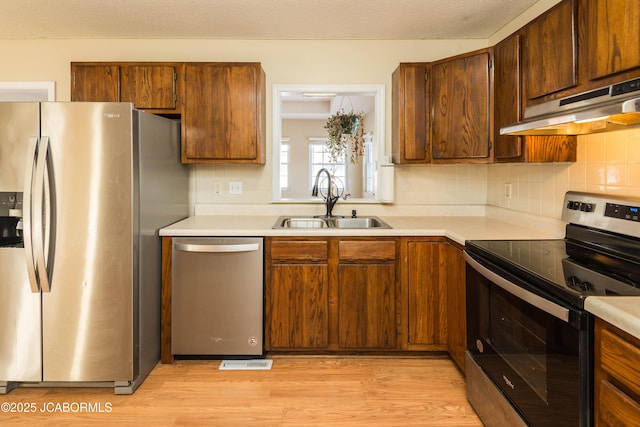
[586,207]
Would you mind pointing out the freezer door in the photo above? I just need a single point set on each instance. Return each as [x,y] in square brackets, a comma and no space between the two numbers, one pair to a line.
[20,337]
[88,314]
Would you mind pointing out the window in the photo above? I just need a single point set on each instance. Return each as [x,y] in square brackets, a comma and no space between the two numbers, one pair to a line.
[367,161]
[319,158]
[285,151]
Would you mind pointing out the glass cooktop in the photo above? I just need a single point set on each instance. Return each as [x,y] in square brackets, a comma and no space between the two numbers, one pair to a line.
[548,265]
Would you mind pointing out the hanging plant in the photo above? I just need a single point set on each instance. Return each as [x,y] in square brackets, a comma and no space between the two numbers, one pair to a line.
[344,128]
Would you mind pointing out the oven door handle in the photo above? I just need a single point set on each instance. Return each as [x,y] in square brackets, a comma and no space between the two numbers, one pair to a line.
[537,301]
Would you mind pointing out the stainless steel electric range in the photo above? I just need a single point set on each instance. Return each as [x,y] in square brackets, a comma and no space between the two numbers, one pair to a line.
[529,340]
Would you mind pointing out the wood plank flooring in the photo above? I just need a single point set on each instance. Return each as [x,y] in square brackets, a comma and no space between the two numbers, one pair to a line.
[298,391]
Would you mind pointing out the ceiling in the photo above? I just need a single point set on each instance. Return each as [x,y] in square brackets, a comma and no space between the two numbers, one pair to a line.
[258,19]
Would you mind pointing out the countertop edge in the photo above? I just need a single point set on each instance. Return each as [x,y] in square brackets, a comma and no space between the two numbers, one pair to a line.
[621,312]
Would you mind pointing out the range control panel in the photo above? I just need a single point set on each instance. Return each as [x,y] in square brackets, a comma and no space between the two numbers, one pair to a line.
[629,213]
[602,211]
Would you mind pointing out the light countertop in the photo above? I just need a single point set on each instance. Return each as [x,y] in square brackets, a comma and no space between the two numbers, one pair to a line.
[457,228]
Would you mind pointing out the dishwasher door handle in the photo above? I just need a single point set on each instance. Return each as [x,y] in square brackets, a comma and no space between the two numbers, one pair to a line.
[193,247]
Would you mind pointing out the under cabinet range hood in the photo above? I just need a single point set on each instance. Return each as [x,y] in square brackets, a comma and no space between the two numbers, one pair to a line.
[606,109]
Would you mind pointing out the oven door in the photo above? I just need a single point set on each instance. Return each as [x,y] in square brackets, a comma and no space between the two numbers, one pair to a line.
[536,351]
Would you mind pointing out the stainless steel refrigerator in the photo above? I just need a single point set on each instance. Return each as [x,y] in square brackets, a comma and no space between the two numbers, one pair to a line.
[84,188]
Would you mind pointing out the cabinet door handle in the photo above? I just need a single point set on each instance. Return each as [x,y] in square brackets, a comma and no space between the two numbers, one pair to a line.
[191,247]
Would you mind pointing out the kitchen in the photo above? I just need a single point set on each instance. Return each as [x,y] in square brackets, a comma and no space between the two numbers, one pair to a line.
[606,162]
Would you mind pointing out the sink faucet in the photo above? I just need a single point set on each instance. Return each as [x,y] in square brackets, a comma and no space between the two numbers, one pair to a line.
[331,199]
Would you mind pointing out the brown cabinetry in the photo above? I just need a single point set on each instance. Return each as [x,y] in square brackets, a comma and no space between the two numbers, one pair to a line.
[221,105]
[433,280]
[427,294]
[366,290]
[224,113]
[297,295]
[333,294]
[456,304]
[460,90]
[410,114]
[612,48]
[550,52]
[508,109]
[149,86]
[617,376]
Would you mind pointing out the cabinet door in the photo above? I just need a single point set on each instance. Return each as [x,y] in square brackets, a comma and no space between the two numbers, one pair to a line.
[507,99]
[508,110]
[149,86]
[410,121]
[95,82]
[551,51]
[427,294]
[366,306]
[223,114]
[455,279]
[297,307]
[613,37]
[460,127]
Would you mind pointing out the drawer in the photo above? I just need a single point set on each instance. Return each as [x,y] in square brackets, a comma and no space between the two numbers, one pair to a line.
[305,250]
[620,359]
[615,408]
[367,250]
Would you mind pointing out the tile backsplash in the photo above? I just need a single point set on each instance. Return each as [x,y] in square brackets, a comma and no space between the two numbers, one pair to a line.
[606,163]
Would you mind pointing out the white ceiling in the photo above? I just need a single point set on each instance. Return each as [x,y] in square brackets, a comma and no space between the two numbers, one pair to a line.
[258,19]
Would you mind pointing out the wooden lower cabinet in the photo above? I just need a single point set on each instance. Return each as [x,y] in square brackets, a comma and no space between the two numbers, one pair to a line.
[366,290]
[297,294]
[617,376]
[433,280]
[332,294]
[359,294]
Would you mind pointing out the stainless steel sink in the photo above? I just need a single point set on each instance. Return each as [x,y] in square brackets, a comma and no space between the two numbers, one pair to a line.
[359,222]
[300,222]
[362,222]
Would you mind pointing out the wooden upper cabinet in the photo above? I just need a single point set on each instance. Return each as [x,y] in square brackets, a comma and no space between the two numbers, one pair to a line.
[508,109]
[550,52]
[507,96]
[95,82]
[409,107]
[224,113]
[460,108]
[149,86]
[612,34]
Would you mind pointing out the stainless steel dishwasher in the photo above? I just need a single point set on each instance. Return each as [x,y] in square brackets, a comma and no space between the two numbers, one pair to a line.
[217,296]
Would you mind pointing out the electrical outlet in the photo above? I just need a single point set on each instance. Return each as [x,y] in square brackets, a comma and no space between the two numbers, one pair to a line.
[217,188]
[508,190]
[235,187]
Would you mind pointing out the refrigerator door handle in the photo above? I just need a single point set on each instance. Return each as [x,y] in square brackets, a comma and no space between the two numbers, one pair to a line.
[27,214]
[38,219]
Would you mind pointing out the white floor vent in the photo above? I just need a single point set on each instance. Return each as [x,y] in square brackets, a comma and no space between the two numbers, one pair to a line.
[246,365]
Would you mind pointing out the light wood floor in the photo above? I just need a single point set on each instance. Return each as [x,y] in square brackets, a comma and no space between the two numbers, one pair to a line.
[298,391]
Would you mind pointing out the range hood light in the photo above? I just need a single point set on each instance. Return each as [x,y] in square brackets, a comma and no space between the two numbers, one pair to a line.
[595,119]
